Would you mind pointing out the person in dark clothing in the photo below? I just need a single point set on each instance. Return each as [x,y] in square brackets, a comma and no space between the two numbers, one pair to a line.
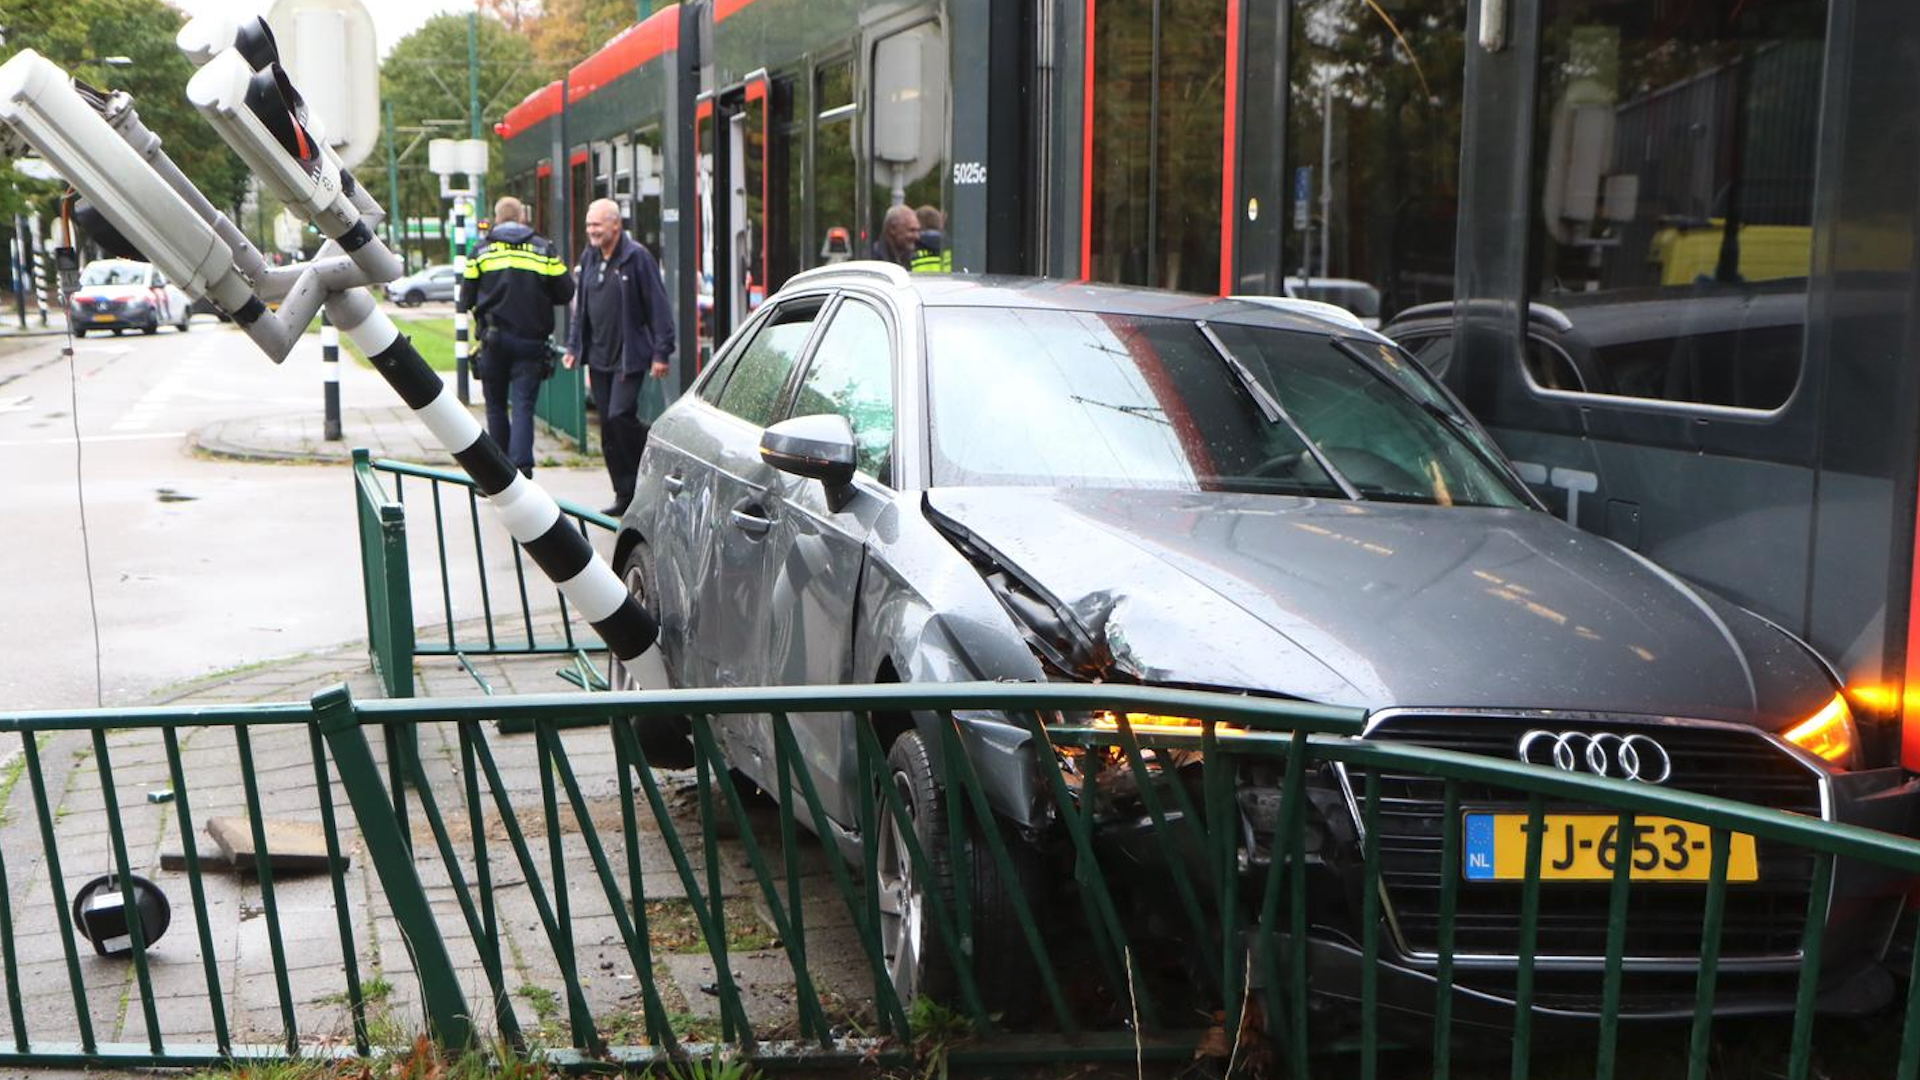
[623,328]
[899,237]
[512,284]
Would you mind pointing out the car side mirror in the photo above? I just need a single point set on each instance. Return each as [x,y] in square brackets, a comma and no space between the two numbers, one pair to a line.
[819,446]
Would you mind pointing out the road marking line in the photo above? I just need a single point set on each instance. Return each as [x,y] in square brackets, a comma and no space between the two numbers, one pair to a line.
[68,440]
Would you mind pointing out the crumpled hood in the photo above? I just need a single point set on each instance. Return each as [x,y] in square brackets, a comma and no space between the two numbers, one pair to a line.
[1378,605]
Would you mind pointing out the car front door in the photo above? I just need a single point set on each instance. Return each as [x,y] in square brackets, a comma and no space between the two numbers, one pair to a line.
[818,547]
[728,628]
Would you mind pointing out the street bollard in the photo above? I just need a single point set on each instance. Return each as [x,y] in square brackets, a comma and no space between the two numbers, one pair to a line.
[330,365]
[459,304]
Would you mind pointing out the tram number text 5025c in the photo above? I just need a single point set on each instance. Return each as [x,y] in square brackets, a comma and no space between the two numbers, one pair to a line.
[969,172]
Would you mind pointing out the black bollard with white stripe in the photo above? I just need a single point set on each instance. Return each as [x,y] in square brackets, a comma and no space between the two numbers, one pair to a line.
[330,365]
[460,352]
[528,512]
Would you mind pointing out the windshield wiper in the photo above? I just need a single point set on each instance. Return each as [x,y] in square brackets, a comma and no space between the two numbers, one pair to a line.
[1452,420]
[1271,408]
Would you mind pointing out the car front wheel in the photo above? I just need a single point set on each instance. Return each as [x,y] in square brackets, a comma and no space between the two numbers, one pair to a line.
[666,740]
[414,298]
[918,963]
[152,327]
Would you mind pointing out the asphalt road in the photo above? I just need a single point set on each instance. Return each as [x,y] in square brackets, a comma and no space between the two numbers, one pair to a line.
[197,565]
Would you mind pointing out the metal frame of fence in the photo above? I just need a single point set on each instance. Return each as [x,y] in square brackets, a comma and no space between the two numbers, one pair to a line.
[507,629]
[1247,931]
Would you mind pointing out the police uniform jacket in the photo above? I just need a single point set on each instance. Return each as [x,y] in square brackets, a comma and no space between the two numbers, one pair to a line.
[512,284]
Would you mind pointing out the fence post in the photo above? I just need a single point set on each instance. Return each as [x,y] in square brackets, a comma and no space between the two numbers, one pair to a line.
[388,588]
[448,1018]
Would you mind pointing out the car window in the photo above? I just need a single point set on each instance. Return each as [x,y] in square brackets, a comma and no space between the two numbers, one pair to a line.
[115,274]
[1551,368]
[1082,399]
[852,375]
[752,388]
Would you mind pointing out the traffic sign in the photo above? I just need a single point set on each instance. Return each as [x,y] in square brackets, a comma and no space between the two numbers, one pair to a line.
[1302,196]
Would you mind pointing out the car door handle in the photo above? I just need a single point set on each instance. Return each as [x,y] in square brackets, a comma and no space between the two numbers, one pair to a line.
[675,483]
[750,520]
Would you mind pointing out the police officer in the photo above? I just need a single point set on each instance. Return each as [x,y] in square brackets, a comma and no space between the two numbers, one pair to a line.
[512,285]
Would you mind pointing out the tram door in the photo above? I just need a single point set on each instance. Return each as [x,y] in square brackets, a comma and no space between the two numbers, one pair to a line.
[733,195]
[1679,223]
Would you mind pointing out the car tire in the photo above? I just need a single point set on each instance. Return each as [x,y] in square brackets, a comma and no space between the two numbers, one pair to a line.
[185,323]
[117,331]
[152,327]
[918,963]
[414,298]
[79,331]
[667,741]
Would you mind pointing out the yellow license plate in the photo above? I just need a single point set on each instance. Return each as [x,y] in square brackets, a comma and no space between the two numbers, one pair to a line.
[1581,847]
[103,318]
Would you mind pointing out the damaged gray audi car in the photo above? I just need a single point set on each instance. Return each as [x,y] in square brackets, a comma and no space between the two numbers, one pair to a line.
[884,477]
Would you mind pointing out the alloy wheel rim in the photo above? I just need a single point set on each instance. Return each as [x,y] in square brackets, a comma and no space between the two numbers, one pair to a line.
[901,905]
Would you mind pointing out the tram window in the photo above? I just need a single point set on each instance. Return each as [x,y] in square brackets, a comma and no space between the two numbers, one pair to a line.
[1159,117]
[788,241]
[752,229]
[578,185]
[645,168]
[1374,118]
[908,143]
[834,175]
[1674,184]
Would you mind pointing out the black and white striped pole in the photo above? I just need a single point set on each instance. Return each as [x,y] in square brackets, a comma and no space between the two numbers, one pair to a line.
[524,507]
[460,353]
[330,368]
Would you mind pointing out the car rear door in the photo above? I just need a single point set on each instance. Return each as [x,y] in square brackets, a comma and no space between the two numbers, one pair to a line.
[818,549]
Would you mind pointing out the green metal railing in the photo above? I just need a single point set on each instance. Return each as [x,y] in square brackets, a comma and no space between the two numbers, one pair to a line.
[563,404]
[569,834]
[472,618]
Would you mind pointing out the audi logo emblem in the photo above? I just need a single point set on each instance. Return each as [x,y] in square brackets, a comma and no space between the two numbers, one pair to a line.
[1629,757]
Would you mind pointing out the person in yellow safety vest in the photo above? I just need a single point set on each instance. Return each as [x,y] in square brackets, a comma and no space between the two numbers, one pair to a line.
[931,255]
[512,284]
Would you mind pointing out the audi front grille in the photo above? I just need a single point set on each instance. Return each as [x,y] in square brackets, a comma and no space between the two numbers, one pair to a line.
[1763,919]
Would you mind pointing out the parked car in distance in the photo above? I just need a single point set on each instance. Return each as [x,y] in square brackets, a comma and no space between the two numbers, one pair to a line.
[431,283]
[121,295]
[927,478]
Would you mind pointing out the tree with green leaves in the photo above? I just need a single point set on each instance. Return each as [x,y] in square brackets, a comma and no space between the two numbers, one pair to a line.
[425,78]
[81,36]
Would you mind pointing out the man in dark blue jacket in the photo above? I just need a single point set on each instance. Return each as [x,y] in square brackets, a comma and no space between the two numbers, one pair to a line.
[513,283]
[623,328]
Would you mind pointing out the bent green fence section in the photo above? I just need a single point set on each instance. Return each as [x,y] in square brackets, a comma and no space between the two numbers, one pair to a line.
[549,892]
[478,599]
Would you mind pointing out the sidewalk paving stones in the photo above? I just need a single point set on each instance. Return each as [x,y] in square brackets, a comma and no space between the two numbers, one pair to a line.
[242,933]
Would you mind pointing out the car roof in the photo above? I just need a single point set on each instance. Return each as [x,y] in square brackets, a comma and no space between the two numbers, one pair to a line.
[1645,313]
[1000,291]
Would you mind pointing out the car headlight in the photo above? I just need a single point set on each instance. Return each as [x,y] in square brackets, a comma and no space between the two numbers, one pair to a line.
[1828,734]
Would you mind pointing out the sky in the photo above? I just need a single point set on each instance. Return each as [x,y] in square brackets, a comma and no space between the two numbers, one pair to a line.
[392,19]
